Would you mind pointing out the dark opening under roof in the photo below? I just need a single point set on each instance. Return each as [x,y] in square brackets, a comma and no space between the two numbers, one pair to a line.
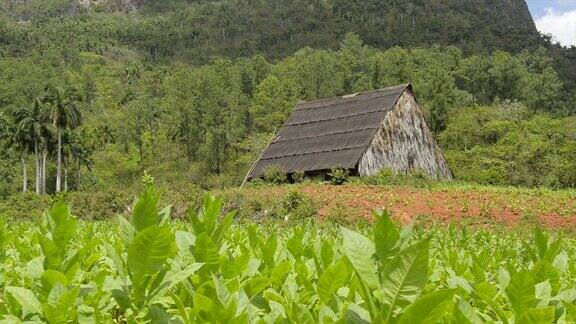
[329,133]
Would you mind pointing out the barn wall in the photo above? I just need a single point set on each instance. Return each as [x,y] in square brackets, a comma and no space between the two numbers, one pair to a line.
[404,142]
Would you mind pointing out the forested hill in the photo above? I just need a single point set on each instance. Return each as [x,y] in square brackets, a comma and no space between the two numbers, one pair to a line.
[195,30]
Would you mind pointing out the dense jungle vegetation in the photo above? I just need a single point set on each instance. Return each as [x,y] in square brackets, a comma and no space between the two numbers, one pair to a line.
[93,94]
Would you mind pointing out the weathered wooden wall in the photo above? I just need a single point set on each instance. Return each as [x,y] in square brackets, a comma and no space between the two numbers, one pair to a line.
[404,143]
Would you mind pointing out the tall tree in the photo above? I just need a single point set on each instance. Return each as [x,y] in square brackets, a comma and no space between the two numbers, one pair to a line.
[63,107]
[20,139]
[474,76]
[183,94]
[74,147]
[13,139]
[34,129]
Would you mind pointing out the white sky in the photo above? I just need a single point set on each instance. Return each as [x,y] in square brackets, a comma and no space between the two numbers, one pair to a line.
[557,18]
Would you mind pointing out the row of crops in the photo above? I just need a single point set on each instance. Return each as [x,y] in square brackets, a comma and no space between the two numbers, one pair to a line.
[150,269]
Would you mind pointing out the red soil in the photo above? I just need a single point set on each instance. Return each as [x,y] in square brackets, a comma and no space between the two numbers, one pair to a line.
[478,207]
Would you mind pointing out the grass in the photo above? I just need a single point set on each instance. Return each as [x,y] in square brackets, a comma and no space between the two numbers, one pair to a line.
[353,202]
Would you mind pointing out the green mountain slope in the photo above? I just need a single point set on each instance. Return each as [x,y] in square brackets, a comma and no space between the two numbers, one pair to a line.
[195,30]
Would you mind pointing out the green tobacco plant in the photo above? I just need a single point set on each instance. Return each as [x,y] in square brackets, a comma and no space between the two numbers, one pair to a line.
[147,241]
[56,298]
[56,241]
[392,273]
[147,268]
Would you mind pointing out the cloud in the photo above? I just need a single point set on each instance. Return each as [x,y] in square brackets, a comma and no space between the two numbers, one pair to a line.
[561,25]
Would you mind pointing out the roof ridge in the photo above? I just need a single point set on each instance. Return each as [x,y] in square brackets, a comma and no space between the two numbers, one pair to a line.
[352,95]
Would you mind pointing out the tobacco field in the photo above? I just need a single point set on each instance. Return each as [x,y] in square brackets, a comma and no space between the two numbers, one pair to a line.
[209,268]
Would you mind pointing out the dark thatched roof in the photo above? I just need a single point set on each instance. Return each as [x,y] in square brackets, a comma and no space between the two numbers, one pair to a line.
[329,133]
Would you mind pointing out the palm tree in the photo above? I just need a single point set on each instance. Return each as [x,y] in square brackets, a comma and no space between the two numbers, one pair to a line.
[11,139]
[63,108]
[20,139]
[17,137]
[35,131]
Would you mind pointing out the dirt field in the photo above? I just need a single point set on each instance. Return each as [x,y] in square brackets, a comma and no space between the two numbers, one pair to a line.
[475,206]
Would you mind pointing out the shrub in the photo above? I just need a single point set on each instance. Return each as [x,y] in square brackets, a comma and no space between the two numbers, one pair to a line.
[219,181]
[274,174]
[342,215]
[24,206]
[297,205]
[256,183]
[418,175]
[181,198]
[501,145]
[338,176]
[99,205]
[339,214]
[298,176]
[386,176]
[253,206]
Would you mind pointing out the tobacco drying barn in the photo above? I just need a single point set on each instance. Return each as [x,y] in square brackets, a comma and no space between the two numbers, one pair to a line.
[361,132]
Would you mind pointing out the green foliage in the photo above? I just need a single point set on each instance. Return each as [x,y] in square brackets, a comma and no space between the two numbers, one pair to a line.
[430,308]
[298,176]
[148,241]
[149,251]
[145,211]
[292,207]
[22,206]
[404,277]
[232,29]
[99,205]
[297,205]
[340,214]
[332,278]
[205,124]
[338,176]
[275,174]
[490,145]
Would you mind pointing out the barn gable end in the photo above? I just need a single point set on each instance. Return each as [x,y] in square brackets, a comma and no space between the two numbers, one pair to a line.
[403,142]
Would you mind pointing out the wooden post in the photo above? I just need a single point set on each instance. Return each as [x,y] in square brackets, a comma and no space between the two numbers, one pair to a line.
[259,157]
